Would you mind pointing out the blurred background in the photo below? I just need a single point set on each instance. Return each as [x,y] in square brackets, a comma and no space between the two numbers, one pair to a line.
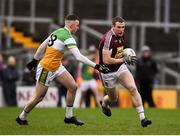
[24,24]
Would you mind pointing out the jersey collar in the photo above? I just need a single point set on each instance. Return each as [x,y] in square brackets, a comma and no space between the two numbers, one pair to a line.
[113,33]
[67,29]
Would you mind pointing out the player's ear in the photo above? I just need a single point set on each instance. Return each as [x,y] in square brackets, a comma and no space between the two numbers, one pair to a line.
[72,24]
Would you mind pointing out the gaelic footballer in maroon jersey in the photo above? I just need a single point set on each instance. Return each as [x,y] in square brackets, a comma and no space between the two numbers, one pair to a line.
[110,53]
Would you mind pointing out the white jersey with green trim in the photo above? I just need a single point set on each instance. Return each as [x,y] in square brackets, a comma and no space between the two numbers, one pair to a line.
[58,41]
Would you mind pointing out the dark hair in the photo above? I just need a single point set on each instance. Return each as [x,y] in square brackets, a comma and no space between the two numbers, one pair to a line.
[117,19]
[72,17]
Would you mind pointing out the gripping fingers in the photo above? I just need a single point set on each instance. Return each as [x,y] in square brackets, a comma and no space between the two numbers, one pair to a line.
[130,60]
[133,60]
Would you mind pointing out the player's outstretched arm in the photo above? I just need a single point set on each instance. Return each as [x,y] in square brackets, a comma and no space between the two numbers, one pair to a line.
[75,51]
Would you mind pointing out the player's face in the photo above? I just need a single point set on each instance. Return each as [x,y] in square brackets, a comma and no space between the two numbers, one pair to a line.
[118,28]
[75,26]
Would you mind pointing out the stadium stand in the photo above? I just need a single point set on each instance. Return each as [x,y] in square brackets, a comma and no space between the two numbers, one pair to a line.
[20,38]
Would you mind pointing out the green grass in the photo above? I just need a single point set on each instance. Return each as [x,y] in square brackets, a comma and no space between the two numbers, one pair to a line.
[123,121]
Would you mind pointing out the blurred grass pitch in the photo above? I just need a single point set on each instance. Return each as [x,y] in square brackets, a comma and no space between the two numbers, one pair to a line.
[123,121]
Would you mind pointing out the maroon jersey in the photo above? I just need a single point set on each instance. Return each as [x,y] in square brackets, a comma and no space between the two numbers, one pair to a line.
[115,45]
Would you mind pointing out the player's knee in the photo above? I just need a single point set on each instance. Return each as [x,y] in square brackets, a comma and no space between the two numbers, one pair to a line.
[132,89]
[73,87]
[39,99]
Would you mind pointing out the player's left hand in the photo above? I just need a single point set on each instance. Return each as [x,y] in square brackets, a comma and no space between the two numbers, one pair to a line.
[32,64]
[130,60]
[102,68]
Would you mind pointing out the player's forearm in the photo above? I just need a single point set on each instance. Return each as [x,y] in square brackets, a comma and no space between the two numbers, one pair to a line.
[41,49]
[107,59]
[113,61]
[75,51]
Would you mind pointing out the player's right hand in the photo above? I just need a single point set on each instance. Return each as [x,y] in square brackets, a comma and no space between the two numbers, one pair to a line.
[32,64]
[130,60]
[102,68]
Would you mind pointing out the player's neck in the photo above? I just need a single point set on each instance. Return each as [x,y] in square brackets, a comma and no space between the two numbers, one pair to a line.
[68,28]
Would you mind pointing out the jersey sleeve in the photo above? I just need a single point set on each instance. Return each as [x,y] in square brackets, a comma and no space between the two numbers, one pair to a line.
[70,43]
[107,41]
[75,51]
[65,38]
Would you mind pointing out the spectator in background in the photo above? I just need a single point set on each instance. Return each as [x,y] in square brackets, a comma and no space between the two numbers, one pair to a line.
[1,67]
[146,70]
[9,78]
[86,78]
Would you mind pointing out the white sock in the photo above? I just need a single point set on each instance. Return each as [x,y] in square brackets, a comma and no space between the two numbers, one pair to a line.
[23,115]
[103,104]
[106,98]
[69,112]
[140,111]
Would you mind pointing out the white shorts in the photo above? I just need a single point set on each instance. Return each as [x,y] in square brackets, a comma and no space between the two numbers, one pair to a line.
[89,84]
[44,76]
[109,80]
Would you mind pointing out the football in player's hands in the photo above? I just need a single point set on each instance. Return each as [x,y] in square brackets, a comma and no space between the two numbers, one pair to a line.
[133,60]
[129,56]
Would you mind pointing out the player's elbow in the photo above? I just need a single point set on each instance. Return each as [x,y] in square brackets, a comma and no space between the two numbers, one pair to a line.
[106,59]
[78,58]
